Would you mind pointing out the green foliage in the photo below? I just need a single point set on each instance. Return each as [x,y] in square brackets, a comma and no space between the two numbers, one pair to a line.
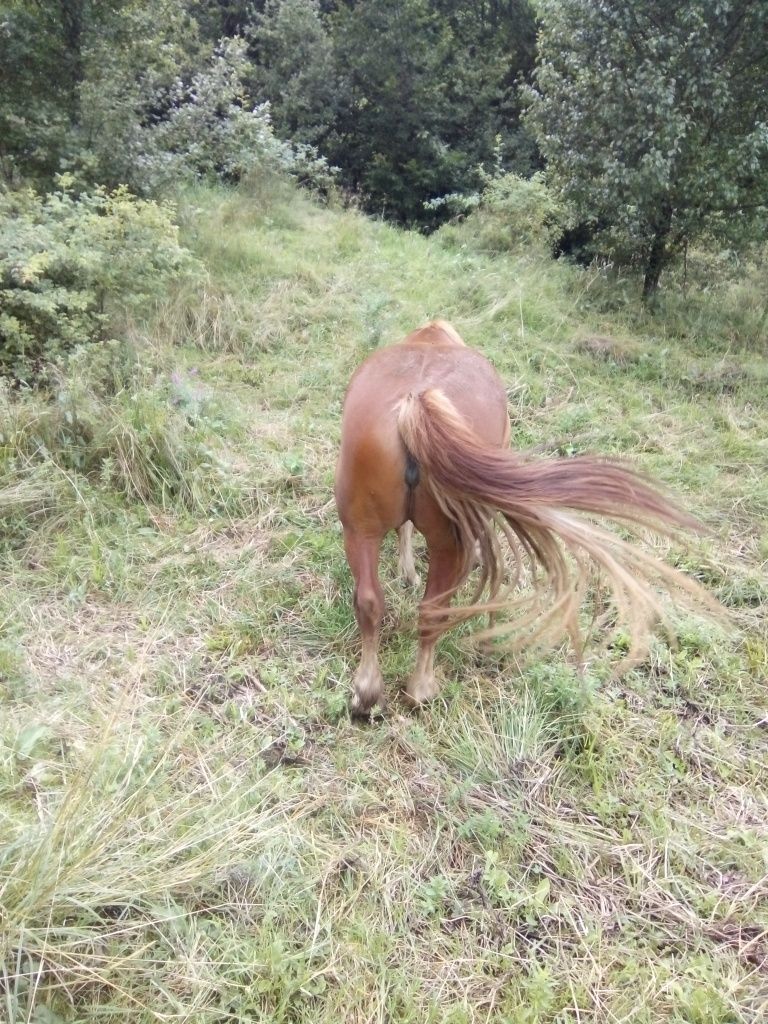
[69,264]
[293,68]
[225,17]
[209,131]
[493,47]
[407,98]
[651,117]
[134,57]
[149,103]
[83,80]
[512,214]
[387,137]
[419,109]
[39,74]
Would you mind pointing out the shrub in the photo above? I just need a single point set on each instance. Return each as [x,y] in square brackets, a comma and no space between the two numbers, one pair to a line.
[210,132]
[512,214]
[69,264]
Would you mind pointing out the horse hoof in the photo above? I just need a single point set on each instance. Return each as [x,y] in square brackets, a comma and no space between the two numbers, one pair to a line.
[411,701]
[417,697]
[361,708]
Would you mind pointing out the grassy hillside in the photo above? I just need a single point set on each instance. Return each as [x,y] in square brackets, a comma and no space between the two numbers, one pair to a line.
[192,829]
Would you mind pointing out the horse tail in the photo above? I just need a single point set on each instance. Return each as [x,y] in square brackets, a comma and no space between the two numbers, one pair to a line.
[543,510]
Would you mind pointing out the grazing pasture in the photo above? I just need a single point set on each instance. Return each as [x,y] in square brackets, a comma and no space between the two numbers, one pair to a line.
[192,828]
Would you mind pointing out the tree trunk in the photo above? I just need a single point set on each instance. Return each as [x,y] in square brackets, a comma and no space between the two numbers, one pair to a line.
[659,254]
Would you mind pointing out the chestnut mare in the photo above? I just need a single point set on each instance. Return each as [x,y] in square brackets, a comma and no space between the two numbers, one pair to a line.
[424,444]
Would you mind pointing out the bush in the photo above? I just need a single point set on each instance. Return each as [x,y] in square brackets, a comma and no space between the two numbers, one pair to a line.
[211,132]
[512,214]
[69,264]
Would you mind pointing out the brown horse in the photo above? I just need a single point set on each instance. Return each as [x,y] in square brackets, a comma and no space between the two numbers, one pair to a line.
[425,435]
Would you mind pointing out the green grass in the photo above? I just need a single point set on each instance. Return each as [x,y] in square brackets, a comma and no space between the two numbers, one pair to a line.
[192,827]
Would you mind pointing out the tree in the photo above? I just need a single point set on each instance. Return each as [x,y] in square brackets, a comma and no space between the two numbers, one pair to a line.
[493,46]
[651,116]
[219,18]
[425,89]
[387,137]
[293,69]
[211,128]
[80,78]
[133,60]
[39,75]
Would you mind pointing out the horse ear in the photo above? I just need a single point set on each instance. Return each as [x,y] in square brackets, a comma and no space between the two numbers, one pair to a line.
[448,330]
[438,332]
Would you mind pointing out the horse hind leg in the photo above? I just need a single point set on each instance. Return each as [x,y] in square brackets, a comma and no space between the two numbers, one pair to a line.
[363,557]
[446,567]
[405,563]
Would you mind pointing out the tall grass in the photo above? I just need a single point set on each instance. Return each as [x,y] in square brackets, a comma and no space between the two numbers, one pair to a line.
[192,829]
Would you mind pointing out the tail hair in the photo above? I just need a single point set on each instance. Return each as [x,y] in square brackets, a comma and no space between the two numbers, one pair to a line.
[542,513]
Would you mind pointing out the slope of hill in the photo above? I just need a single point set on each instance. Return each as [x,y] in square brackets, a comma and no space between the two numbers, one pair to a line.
[194,830]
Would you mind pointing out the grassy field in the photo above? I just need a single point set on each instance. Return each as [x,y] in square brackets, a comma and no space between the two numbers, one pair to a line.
[191,826]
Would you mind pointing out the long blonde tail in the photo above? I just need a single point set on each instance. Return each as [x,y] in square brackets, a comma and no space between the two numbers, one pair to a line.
[494,496]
